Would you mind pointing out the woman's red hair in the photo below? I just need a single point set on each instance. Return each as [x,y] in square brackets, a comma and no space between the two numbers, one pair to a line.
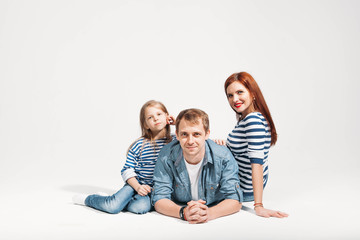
[259,104]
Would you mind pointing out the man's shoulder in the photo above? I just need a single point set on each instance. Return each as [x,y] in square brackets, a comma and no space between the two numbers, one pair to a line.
[217,150]
[170,150]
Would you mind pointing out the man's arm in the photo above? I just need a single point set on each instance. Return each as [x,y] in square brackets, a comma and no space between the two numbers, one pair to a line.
[194,212]
[167,207]
[202,214]
[224,208]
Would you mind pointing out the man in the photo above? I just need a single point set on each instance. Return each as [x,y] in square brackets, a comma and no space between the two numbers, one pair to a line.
[195,179]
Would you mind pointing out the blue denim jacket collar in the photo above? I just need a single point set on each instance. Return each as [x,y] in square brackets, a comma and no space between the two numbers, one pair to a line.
[178,160]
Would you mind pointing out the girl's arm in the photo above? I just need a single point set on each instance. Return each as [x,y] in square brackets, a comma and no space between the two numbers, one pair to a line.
[171,120]
[257,181]
[128,172]
[142,190]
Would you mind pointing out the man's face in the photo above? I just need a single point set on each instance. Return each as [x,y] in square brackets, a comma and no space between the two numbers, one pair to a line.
[192,140]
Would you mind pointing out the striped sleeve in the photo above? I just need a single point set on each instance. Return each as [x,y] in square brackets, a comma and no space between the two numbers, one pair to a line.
[255,133]
[132,159]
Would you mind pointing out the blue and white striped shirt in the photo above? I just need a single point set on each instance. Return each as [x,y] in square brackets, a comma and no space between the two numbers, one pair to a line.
[250,142]
[141,159]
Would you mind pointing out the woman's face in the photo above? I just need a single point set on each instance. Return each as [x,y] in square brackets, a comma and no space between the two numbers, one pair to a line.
[239,98]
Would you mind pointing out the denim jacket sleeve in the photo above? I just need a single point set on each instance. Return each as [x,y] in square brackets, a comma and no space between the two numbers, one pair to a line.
[230,183]
[163,178]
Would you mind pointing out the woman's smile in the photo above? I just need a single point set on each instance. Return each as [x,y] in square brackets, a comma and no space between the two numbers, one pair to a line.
[237,105]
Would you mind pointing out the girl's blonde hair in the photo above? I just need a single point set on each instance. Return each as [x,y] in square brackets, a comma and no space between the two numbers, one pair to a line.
[145,132]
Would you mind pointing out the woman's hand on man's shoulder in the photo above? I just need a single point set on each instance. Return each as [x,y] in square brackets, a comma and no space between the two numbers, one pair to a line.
[220,142]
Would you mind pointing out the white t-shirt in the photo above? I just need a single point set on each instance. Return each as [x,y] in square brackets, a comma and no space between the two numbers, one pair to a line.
[194,175]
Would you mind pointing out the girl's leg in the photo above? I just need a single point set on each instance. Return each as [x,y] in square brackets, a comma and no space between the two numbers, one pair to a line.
[111,204]
[139,204]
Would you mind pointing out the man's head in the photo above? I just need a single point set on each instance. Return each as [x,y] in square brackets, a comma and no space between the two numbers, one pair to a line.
[192,129]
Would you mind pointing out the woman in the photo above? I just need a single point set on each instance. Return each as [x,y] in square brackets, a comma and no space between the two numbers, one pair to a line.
[251,138]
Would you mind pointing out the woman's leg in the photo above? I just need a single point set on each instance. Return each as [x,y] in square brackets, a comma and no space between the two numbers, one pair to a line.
[139,204]
[248,197]
[111,204]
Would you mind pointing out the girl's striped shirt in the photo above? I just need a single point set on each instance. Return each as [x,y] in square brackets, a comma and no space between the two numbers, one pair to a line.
[141,159]
[250,142]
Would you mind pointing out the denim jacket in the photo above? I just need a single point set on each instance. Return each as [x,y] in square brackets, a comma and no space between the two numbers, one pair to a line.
[219,177]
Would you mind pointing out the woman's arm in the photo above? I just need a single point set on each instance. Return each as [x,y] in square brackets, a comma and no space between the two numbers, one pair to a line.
[257,181]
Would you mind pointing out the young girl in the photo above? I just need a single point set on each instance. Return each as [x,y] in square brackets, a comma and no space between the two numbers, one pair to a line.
[251,138]
[139,167]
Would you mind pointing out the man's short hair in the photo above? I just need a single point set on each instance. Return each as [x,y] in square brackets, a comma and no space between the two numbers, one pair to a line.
[193,115]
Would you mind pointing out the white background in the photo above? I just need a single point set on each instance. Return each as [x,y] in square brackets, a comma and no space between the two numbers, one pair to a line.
[74,74]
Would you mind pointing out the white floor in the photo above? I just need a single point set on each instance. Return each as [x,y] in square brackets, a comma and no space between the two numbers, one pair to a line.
[74,74]
[36,204]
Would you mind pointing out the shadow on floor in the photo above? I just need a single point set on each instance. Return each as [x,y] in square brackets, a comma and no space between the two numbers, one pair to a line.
[86,189]
[248,209]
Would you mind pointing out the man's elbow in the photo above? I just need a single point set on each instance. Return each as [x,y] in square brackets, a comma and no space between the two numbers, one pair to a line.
[159,205]
[235,205]
[238,206]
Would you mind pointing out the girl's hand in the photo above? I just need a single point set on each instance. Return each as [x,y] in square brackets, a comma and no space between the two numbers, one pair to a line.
[220,142]
[170,120]
[143,190]
[263,212]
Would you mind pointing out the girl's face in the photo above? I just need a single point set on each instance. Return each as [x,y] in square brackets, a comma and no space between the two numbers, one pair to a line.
[240,98]
[155,119]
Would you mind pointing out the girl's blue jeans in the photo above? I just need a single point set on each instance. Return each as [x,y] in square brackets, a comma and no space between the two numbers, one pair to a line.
[125,199]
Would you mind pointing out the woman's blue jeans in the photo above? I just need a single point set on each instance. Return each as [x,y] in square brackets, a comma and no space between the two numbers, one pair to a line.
[125,199]
[249,197]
